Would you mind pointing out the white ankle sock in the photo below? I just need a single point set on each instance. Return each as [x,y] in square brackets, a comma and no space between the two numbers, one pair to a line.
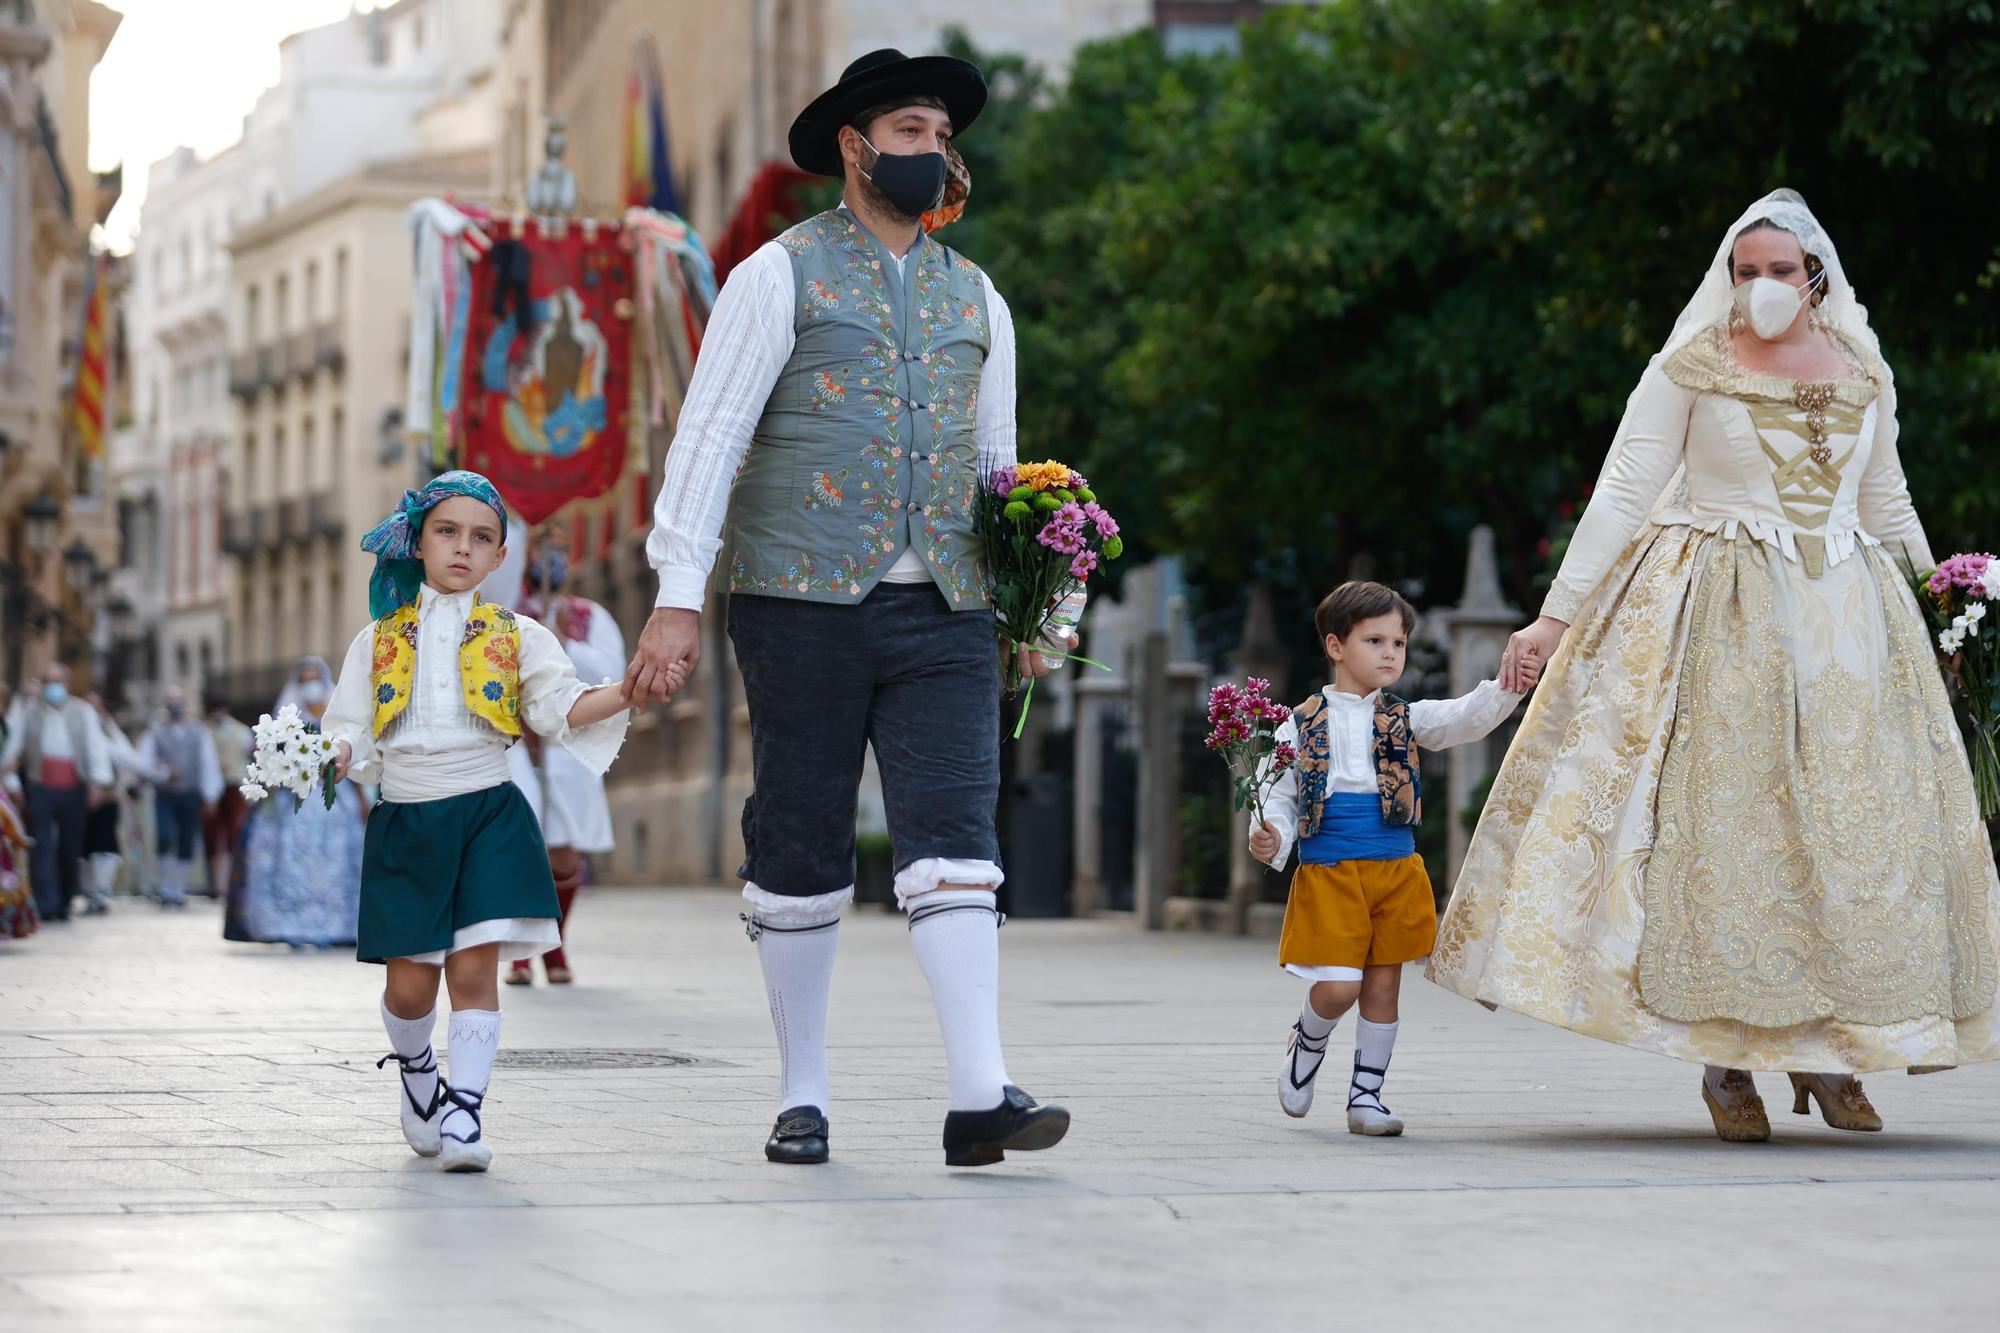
[1313,1027]
[956,934]
[1373,1043]
[474,1041]
[798,973]
[410,1038]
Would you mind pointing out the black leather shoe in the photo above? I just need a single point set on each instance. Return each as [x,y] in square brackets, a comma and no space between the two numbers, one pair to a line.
[799,1137]
[981,1138]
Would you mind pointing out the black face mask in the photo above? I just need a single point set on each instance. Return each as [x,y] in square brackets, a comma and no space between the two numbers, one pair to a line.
[913,183]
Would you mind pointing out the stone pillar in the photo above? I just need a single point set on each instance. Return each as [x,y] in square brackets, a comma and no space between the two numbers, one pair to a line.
[1087,841]
[1159,840]
[1262,653]
[1479,625]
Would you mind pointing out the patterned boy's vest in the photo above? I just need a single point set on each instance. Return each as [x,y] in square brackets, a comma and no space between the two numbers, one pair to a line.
[489,665]
[1396,771]
[866,442]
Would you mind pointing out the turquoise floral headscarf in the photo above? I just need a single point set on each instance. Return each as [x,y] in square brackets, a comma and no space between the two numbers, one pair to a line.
[393,542]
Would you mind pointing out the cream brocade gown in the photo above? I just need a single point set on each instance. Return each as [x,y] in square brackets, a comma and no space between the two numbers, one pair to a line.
[1736,825]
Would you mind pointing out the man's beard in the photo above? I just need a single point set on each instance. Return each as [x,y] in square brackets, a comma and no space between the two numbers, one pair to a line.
[880,202]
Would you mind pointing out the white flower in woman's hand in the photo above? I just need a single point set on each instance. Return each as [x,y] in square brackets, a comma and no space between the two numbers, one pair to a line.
[1974,613]
[253,791]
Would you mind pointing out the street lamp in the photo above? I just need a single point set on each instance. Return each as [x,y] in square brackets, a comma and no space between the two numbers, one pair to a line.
[41,516]
[120,609]
[79,563]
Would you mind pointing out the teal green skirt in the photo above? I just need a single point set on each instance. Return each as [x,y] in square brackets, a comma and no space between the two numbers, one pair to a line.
[431,868]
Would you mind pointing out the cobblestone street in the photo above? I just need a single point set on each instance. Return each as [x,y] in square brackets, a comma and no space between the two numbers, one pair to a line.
[193,1135]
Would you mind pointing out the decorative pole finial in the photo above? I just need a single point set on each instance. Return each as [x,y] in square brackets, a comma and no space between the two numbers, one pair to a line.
[552,193]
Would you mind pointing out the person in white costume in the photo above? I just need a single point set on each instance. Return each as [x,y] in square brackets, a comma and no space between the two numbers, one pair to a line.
[566,795]
[1737,825]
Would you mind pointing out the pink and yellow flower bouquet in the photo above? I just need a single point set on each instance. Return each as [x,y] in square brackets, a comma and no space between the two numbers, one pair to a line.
[1045,535]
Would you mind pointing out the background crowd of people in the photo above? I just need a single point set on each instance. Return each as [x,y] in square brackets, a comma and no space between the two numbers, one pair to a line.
[151,809]
[88,816]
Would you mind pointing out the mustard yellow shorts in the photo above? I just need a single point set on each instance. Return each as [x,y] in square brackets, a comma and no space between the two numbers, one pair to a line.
[1358,914]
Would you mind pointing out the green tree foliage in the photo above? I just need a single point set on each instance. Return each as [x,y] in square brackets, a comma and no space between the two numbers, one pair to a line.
[1391,270]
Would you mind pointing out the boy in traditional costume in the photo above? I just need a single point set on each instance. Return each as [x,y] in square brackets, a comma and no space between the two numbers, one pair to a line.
[455,878]
[1360,905]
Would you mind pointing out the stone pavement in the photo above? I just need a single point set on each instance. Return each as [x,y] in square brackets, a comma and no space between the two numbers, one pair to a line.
[193,1135]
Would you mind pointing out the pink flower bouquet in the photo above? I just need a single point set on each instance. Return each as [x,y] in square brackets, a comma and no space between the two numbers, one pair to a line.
[1243,727]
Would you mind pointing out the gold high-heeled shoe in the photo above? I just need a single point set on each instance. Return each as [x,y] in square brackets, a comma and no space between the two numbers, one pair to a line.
[1741,1119]
[1847,1107]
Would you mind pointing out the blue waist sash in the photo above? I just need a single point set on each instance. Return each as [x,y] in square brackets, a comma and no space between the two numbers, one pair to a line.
[1351,828]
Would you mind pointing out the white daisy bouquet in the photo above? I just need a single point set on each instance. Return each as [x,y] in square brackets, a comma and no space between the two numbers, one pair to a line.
[1958,599]
[292,755]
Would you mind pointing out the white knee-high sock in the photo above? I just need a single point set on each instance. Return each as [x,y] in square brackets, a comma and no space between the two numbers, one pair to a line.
[956,934]
[474,1041]
[1310,1053]
[798,974]
[1373,1043]
[410,1038]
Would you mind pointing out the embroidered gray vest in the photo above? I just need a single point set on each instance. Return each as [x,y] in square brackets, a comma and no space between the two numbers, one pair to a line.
[1397,775]
[866,442]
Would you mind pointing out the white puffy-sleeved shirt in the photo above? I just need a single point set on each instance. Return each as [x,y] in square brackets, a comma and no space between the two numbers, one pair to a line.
[1699,407]
[749,339]
[436,747]
[1435,724]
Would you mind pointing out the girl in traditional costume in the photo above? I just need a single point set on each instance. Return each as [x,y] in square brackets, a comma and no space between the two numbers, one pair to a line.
[455,877]
[1737,825]
[298,880]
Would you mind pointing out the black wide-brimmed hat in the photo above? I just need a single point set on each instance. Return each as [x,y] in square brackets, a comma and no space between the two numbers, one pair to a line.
[879,77]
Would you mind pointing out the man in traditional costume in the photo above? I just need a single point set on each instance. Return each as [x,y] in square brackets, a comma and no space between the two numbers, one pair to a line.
[856,382]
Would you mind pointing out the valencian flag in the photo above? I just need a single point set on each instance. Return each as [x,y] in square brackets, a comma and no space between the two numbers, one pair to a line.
[547,371]
[89,407]
[649,172]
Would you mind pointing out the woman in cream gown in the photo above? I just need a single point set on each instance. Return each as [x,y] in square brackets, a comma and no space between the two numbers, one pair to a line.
[1737,826]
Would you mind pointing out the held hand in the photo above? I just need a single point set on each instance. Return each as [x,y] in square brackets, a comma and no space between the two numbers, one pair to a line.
[1539,642]
[341,761]
[672,637]
[1033,665]
[1264,843]
[1528,667]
